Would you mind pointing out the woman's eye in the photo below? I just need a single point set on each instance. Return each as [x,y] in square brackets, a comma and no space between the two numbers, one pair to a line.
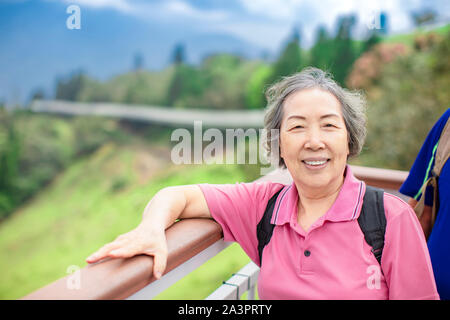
[329,125]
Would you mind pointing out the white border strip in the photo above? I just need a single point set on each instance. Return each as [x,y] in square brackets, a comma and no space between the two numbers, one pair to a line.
[156,287]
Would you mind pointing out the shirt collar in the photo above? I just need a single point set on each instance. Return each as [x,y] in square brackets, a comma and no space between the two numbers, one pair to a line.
[346,207]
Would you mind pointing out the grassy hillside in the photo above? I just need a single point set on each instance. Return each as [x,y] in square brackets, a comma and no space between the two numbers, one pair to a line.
[408,38]
[88,205]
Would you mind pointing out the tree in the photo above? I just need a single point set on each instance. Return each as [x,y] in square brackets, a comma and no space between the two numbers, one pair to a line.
[9,163]
[38,94]
[138,62]
[409,94]
[187,81]
[137,87]
[344,53]
[71,88]
[255,97]
[371,41]
[290,60]
[322,50]
[178,55]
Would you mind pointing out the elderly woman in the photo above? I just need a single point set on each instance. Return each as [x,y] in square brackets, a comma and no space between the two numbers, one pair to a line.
[317,249]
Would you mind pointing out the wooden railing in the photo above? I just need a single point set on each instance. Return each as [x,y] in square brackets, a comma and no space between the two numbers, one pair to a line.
[191,242]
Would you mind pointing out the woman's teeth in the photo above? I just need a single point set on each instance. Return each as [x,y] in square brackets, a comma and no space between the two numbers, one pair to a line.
[315,163]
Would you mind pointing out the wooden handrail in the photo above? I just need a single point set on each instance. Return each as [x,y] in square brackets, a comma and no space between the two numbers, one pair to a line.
[120,278]
[382,178]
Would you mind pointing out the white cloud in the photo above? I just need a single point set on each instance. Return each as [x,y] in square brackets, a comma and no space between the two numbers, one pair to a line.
[309,14]
[262,34]
[266,23]
[120,5]
[282,9]
[166,10]
[181,9]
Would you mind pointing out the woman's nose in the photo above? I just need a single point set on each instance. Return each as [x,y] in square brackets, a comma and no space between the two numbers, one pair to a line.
[314,140]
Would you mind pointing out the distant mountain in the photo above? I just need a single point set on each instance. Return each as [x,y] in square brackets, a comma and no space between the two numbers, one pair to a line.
[36,46]
[198,46]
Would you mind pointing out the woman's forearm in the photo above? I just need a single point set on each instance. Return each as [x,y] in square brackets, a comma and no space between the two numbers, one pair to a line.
[172,203]
[164,208]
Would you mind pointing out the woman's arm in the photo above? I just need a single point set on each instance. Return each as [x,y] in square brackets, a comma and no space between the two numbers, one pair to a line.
[406,262]
[168,205]
[172,203]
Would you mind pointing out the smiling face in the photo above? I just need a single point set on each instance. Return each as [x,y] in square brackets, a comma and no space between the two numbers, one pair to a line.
[314,140]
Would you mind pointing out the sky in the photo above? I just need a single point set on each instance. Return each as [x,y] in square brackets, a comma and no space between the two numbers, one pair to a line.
[265,22]
[36,46]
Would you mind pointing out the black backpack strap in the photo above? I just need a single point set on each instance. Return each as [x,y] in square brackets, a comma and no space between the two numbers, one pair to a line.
[372,220]
[264,229]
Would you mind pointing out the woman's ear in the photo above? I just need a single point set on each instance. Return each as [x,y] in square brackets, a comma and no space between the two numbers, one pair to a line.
[348,144]
[280,150]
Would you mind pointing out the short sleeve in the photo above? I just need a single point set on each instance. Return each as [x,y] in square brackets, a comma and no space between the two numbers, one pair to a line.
[406,262]
[421,169]
[238,208]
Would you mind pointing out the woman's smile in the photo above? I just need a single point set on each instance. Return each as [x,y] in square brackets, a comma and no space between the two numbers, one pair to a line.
[315,163]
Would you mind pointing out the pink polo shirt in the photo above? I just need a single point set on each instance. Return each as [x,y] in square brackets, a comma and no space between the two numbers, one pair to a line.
[332,259]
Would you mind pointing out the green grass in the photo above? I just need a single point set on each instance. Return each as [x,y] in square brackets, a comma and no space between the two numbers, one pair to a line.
[408,38]
[90,204]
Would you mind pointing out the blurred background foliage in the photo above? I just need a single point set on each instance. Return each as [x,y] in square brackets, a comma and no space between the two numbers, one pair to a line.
[407,91]
[405,79]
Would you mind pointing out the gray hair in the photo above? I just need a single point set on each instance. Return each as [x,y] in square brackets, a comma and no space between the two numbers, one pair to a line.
[353,105]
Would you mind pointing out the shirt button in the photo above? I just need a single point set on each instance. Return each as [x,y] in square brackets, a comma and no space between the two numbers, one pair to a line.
[307,253]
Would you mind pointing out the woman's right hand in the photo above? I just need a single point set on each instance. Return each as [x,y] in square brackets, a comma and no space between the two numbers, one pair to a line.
[142,240]
[149,237]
